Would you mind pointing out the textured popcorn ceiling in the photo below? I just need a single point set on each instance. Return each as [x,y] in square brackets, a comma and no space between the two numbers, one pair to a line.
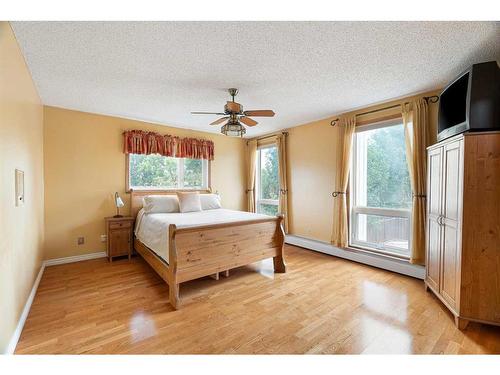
[305,71]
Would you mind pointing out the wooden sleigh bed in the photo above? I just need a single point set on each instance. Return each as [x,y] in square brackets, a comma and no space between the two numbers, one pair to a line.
[206,250]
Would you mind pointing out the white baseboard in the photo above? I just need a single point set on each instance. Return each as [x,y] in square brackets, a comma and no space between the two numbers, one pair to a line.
[24,315]
[50,262]
[374,260]
[76,258]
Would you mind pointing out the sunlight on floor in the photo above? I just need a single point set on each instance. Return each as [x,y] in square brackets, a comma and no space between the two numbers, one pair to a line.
[384,320]
[142,326]
[384,301]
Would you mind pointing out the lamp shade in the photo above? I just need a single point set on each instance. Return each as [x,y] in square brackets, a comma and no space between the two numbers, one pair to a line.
[118,201]
[233,130]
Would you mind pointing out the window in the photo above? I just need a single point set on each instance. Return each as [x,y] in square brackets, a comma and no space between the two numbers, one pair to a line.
[149,172]
[267,181]
[380,189]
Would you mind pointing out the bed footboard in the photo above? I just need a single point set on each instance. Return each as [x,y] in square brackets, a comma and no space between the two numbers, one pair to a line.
[202,251]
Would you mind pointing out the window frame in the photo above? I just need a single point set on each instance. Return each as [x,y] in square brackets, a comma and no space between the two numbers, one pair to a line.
[258,199]
[377,211]
[206,177]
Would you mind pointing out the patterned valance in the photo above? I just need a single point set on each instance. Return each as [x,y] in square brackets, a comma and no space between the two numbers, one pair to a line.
[143,142]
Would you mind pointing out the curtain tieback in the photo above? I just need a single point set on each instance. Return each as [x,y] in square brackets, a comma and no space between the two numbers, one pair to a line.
[419,196]
[335,194]
[249,191]
[283,191]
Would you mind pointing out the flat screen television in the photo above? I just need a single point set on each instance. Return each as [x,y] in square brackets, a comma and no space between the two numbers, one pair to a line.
[471,101]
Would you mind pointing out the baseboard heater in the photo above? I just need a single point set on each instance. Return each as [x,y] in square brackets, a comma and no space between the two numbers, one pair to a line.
[379,261]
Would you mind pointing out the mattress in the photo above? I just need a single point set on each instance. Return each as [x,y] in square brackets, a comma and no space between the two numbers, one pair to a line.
[152,228]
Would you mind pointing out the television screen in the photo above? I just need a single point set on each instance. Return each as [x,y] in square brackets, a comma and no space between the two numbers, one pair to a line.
[453,104]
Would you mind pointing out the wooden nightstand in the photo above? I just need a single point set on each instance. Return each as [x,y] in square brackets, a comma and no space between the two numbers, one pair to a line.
[119,231]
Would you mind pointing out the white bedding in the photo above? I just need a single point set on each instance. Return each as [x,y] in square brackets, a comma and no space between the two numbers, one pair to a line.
[152,229]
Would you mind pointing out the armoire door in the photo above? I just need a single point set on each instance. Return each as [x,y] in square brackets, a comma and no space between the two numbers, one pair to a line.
[452,207]
[434,191]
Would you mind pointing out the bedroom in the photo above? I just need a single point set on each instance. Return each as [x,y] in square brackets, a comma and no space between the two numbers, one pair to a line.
[296,217]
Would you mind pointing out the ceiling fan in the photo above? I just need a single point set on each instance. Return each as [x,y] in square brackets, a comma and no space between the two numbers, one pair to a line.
[234,116]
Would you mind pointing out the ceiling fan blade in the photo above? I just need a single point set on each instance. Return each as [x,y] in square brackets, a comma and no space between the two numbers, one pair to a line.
[208,113]
[248,121]
[219,121]
[260,112]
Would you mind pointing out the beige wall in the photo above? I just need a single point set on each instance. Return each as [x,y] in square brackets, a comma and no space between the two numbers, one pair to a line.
[312,152]
[85,165]
[77,159]
[21,147]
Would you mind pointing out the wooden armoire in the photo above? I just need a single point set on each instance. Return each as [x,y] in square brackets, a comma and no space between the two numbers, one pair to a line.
[463,226]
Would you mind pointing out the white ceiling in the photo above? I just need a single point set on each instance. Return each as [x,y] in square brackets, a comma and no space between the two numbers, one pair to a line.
[304,71]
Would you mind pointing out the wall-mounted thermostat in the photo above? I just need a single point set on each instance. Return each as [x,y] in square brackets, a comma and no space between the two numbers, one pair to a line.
[19,187]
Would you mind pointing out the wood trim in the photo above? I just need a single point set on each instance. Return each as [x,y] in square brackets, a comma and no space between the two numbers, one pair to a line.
[158,264]
[440,297]
[490,322]
[173,191]
[173,285]
[226,225]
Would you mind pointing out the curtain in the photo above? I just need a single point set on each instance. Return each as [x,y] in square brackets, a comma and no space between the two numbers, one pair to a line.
[194,148]
[283,196]
[340,230]
[415,120]
[251,159]
[143,142]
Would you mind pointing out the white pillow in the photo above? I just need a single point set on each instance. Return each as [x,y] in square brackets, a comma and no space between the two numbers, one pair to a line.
[210,201]
[189,202]
[160,203]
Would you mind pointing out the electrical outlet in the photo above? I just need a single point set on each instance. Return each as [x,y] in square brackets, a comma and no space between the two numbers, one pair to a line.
[81,240]
[104,238]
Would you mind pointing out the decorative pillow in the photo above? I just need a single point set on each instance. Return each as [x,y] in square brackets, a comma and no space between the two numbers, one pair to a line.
[189,202]
[210,201]
[160,203]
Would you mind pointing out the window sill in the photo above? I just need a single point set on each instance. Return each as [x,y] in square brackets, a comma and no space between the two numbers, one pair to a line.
[173,191]
[383,253]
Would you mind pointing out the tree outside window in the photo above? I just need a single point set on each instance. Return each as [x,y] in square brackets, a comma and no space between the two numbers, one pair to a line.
[162,172]
[268,181]
[381,192]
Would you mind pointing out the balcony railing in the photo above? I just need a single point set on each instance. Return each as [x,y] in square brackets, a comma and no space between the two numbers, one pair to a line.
[381,229]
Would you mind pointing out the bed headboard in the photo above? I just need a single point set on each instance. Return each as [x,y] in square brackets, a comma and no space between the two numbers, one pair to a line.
[137,195]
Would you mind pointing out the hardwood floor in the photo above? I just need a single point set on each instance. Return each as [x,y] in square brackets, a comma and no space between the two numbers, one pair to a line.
[322,305]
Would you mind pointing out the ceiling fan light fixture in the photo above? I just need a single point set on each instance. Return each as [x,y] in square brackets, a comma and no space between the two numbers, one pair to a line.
[233,130]
[233,114]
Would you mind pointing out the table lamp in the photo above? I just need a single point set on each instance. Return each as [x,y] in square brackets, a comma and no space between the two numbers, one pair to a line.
[118,203]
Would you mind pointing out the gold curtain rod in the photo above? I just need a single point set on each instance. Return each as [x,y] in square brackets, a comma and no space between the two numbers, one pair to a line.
[431,99]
